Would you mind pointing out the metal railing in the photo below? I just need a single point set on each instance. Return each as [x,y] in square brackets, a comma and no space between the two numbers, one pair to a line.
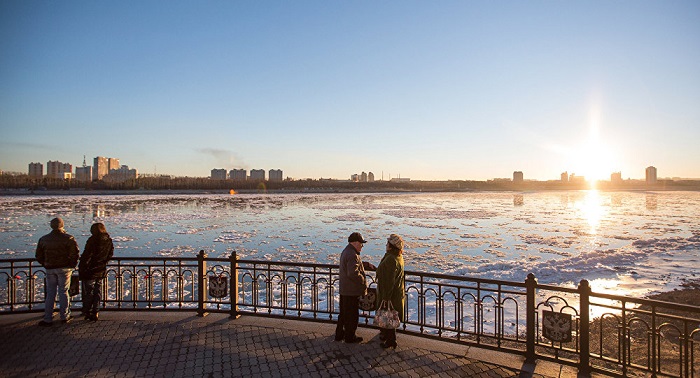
[594,332]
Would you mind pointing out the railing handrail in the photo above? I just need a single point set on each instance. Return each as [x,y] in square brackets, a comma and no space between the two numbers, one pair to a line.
[473,310]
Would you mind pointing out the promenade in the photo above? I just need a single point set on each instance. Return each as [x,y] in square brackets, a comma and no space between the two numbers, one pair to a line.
[180,344]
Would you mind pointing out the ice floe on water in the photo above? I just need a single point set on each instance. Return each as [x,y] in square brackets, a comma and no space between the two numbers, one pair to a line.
[619,238]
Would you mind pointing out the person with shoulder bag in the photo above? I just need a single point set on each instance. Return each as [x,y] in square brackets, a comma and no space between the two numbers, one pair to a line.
[390,288]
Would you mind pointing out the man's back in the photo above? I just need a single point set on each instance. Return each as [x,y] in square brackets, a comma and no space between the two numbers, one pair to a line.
[57,249]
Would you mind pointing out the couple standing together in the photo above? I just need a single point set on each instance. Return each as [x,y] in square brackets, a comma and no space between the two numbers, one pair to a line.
[58,252]
[353,284]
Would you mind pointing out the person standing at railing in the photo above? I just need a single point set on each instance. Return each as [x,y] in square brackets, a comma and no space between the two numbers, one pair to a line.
[353,284]
[58,253]
[390,285]
[99,249]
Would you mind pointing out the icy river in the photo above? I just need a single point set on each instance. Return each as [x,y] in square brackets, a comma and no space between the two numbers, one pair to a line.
[628,243]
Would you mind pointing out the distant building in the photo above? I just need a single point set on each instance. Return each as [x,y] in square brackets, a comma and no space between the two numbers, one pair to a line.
[83,173]
[616,177]
[218,174]
[400,179]
[257,174]
[518,176]
[121,174]
[565,176]
[100,168]
[370,177]
[275,175]
[112,163]
[651,175]
[354,177]
[238,174]
[363,177]
[58,170]
[36,170]
[576,179]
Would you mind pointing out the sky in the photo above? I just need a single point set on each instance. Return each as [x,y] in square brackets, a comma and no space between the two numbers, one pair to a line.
[448,90]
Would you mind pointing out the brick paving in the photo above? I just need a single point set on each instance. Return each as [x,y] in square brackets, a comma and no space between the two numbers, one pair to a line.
[168,344]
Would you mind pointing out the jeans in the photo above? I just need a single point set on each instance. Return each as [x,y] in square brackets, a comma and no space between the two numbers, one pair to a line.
[57,281]
[92,296]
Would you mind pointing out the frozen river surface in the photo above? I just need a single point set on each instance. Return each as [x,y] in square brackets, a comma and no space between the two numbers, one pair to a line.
[623,242]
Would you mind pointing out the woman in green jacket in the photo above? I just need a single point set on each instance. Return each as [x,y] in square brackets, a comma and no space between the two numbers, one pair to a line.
[390,284]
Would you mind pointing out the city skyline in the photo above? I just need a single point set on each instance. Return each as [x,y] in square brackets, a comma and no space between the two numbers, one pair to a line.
[453,91]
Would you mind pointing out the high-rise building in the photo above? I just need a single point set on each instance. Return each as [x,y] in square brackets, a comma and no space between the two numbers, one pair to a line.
[257,174]
[616,177]
[36,170]
[354,177]
[100,168]
[275,175]
[58,170]
[565,176]
[83,173]
[651,175]
[370,177]
[518,176]
[122,174]
[238,174]
[363,177]
[218,174]
[112,163]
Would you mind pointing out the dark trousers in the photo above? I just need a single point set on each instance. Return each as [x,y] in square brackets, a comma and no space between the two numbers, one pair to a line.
[92,295]
[389,335]
[348,318]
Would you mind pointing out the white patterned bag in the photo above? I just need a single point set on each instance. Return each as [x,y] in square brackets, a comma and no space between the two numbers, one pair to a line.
[386,316]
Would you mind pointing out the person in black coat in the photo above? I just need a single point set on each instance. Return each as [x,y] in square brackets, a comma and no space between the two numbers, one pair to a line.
[92,269]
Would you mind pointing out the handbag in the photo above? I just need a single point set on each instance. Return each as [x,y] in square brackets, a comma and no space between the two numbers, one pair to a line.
[386,316]
[368,302]
[74,288]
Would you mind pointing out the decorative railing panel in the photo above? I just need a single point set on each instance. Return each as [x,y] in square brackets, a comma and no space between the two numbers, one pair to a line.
[595,332]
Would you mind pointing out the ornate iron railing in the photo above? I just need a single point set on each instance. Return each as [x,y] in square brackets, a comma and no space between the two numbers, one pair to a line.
[595,332]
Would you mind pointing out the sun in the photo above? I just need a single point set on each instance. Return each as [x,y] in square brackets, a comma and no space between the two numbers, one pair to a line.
[594,160]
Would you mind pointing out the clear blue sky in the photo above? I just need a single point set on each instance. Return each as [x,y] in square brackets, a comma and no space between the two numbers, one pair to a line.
[425,90]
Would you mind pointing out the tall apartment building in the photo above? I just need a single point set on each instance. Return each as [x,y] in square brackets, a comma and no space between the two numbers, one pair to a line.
[102,166]
[36,170]
[565,177]
[218,174]
[370,177]
[518,176]
[122,174]
[363,177]
[651,175]
[58,170]
[275,175]
[83,173]
[238,174]
[257,174]
[616,177]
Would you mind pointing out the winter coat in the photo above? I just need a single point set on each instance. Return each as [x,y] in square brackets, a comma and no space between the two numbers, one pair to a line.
[352,274]
[390,282]
[57,250]
[99,249]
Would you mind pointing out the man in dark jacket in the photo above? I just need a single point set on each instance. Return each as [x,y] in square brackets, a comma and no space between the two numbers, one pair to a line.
[58,253]
[353,284]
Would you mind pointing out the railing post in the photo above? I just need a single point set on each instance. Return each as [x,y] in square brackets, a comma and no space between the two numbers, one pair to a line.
[233,263]
[530,285]
[584,367]
[201,282]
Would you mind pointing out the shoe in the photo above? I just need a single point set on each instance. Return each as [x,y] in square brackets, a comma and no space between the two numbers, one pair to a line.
[339,338]
[95,317]
[355,340]
[389,344]
[45,324]
[67,320]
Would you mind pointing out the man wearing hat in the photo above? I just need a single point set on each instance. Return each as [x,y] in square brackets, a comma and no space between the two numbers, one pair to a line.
[58,253]
[353,284]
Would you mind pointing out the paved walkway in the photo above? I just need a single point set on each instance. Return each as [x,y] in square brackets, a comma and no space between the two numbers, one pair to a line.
[154,344]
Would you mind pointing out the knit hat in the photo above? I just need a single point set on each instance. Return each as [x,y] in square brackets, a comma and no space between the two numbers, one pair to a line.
[56,224]
[396,241]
